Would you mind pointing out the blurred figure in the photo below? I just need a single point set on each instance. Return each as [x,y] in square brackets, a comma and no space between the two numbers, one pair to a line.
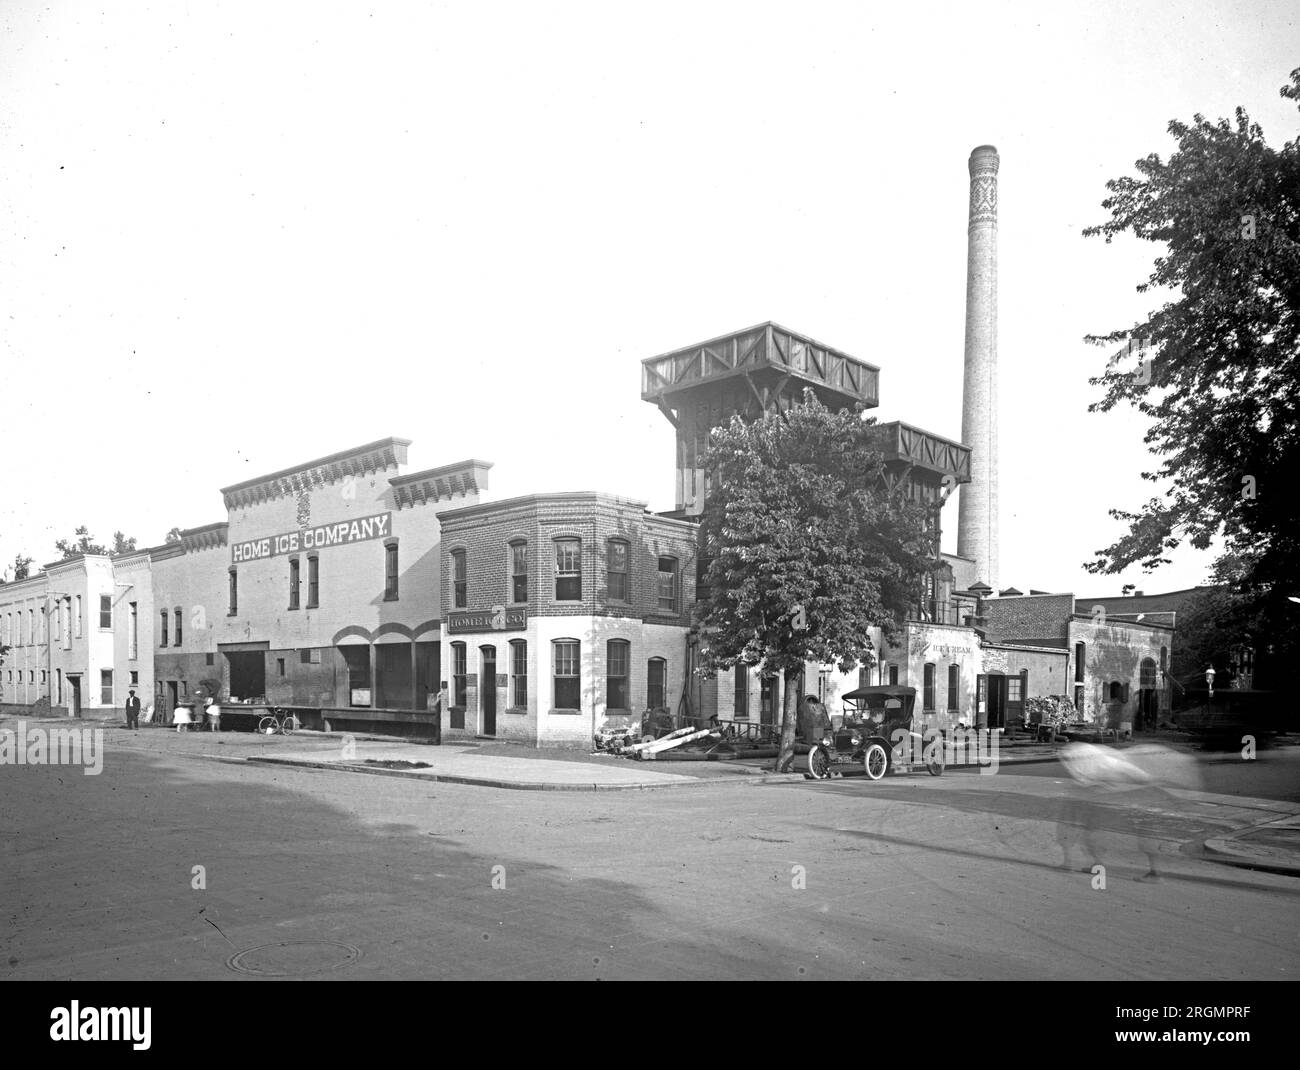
[1138,777]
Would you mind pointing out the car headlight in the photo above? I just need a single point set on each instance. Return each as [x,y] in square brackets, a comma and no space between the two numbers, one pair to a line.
[855,739]
[827,741]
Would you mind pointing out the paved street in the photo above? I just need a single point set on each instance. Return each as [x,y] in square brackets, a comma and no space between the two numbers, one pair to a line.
[381,877]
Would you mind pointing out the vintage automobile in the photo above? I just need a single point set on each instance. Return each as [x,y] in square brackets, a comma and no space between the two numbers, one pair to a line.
[868,739]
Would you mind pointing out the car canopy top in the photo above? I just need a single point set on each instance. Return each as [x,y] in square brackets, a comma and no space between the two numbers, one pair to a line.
[889,690]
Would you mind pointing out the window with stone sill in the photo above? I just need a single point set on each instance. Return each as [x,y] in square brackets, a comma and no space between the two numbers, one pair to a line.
[567,674]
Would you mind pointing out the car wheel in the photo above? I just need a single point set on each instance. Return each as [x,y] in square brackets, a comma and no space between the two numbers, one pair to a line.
[816,763]
[875,761]
[934,757]
[647,738]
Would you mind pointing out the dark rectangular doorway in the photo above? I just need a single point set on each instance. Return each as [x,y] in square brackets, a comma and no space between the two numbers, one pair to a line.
[75,698]
[997,701]
[247,675]
[393,676]
[428,665]
[487,690]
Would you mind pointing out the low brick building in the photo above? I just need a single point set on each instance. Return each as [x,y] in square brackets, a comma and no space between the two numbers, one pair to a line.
[1116,663]
[564,612]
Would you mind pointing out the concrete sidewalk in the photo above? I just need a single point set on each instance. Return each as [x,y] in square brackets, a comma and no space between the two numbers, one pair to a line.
[462,764]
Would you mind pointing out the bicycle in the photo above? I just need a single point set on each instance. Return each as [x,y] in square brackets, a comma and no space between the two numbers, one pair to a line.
[276,724]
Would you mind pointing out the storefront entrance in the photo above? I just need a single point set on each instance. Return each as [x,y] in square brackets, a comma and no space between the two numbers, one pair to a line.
[74,698]
[991,700]
[487,692]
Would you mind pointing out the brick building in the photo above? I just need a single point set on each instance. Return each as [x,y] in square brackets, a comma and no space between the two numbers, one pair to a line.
[320,590]
[1117,664]
[564,613]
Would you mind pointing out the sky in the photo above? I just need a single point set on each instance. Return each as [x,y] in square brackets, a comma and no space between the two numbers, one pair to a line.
[238,236]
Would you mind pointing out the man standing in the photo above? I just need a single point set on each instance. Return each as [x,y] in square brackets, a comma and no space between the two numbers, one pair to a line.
[132,711]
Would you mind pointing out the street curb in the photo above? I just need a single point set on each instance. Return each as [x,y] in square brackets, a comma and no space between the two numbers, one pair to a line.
[1230,851]
[1218,850]
[509,785]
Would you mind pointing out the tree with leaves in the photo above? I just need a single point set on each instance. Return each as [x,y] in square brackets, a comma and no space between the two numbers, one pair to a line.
[807,550]
[173,536]
[1216,367]
[22,567]
[82,542]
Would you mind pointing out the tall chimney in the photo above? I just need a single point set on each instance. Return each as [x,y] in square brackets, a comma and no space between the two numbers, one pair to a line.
[977,518]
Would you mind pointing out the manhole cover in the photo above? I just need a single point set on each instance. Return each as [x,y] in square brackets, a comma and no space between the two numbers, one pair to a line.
[294,958]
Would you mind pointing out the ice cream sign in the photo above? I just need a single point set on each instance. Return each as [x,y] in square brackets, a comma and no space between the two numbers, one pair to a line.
[363,528]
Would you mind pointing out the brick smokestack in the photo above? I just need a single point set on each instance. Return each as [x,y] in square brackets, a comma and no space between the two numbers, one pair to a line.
[977,518]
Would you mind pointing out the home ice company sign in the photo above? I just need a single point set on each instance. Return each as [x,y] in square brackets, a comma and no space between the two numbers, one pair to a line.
[362,529]
[496,619]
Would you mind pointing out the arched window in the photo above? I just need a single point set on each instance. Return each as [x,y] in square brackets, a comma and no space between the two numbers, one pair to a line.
[519,571]
[568,570]
[295,579]
[668,577]
[616,568]
[954,688]
[162,630]
[177,613]
[313,581]
[618,653]
[459,580]
[928,688]
[390,571]
[1147,673]
[1080,659]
